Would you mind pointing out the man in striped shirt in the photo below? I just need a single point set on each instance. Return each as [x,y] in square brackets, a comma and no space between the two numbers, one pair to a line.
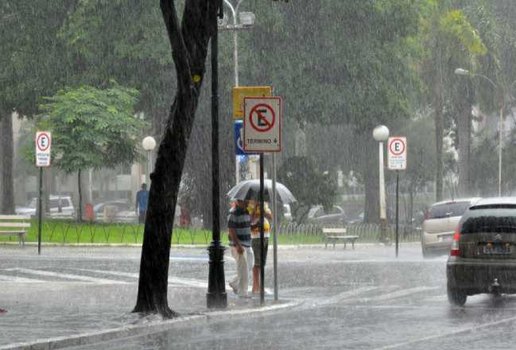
[239,226]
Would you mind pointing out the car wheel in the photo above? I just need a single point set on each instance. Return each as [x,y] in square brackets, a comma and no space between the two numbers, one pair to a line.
[456,297]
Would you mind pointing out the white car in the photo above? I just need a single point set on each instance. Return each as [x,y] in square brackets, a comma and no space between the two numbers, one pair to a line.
[58,206]
[440,223]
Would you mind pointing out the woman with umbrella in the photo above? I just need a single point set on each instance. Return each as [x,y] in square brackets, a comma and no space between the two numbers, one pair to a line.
[254,211]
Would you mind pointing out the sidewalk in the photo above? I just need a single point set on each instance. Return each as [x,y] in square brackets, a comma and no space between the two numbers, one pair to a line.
[52,317]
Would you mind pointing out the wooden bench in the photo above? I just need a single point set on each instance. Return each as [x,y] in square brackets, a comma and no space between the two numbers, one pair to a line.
[333,235]
[15,225]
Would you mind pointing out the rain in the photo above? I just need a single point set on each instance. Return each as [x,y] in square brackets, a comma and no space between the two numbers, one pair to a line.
[131,131]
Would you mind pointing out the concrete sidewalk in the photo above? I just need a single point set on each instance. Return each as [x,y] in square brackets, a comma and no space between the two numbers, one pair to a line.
[61,316]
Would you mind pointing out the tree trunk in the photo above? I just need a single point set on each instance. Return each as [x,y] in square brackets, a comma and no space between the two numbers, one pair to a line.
[371,176]
[189,50]
[79,206]
[6,162]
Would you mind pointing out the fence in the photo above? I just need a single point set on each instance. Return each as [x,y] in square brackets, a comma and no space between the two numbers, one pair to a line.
[71,232]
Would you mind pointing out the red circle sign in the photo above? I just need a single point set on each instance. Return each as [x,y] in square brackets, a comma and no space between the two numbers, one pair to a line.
[262,117]
[397,147]
[43,142]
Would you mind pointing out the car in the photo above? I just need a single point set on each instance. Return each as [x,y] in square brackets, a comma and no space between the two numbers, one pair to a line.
[118,210]
[334,216]
[59,206]
[439,224]
[483,253]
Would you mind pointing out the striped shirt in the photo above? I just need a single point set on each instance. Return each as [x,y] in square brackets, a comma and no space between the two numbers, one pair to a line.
[240,220]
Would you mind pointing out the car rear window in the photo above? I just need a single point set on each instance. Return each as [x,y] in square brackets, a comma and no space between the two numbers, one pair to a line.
[448,209]
[490,219]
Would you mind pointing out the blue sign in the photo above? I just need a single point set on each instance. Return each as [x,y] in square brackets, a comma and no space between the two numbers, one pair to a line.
[238,128]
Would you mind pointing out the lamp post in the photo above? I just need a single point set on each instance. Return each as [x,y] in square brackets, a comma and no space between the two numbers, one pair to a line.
[216,296]
[148,144]
[462,71]
[381,134]
[241,20]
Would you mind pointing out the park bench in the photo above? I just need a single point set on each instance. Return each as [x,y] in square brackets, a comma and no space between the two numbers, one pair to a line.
[15,225]
[334,235]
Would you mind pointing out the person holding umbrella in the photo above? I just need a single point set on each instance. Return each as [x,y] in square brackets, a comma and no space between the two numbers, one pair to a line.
[239,227]
[254,210]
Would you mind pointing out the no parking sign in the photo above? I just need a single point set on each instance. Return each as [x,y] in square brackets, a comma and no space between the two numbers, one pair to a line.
[397,149]
[43,143]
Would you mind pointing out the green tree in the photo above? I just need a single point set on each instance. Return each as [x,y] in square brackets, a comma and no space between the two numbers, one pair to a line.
[92,128]
[309,186]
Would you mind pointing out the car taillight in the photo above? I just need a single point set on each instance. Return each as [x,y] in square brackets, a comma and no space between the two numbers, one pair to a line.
[455,250]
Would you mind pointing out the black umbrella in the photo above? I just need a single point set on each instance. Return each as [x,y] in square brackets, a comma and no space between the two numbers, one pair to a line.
[250,189]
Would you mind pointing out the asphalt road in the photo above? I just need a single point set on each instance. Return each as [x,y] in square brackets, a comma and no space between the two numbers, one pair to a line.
[344,299]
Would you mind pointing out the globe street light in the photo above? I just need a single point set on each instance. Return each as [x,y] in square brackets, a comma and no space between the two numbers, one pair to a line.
[462,71]
[381,134]
[148,144]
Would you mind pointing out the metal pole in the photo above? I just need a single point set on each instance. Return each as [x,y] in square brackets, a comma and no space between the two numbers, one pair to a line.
[397,211]
[40,208]
[262,245]
[216,296]
[500,127]
[274,225]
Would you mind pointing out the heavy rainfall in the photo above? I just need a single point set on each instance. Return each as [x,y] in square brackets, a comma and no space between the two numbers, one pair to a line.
[257,174]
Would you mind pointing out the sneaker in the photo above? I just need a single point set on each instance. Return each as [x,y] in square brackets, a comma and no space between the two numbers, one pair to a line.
[235,289]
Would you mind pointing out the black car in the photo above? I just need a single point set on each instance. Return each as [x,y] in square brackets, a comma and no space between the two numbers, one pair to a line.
[483,252]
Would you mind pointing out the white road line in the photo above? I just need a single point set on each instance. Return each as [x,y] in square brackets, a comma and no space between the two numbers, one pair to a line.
[65,275]
[398,294]
[344,296]
[19,279]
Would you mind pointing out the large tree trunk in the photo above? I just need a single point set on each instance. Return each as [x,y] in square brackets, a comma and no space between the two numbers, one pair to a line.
[6,163]
[189,50]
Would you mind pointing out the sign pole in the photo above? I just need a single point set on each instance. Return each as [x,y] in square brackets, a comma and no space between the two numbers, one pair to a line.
[274,229]
[40,207]
[397,211]
[262,245]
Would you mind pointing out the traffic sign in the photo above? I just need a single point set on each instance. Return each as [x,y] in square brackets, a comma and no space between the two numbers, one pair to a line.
[238,127]
[241,92]
[262,124]
[397,153]
[43,145]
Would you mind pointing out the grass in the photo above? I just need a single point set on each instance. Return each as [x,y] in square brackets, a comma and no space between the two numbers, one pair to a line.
[70,232]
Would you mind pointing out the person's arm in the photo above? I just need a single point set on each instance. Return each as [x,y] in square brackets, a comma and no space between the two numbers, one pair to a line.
[234,238]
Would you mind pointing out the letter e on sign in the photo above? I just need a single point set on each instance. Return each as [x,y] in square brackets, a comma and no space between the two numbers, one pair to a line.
[397,153]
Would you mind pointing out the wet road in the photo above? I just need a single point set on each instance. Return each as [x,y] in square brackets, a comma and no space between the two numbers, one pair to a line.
[362,299]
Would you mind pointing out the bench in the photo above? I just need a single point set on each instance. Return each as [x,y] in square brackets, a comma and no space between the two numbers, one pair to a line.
[15,225]
[333,235]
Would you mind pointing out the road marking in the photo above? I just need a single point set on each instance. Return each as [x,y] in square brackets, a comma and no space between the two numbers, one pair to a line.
[398,294]
[65,275]
[17,279]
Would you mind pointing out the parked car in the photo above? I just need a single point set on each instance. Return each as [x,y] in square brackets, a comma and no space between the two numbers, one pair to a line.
[335,216]
[483,253]
[58,206]
[439,224]
[119,210]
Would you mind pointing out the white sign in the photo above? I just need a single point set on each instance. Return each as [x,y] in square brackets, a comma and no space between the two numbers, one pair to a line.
[262,124]
[43,143]
[397,150]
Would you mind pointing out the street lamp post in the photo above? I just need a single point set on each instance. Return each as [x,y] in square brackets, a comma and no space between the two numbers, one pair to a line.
[462,71]
[381,134]
[148,144]
[241,20]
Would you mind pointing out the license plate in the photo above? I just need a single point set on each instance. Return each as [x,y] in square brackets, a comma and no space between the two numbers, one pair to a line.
[496,249]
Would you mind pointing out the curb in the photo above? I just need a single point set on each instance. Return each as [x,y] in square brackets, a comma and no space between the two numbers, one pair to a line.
[137,330]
